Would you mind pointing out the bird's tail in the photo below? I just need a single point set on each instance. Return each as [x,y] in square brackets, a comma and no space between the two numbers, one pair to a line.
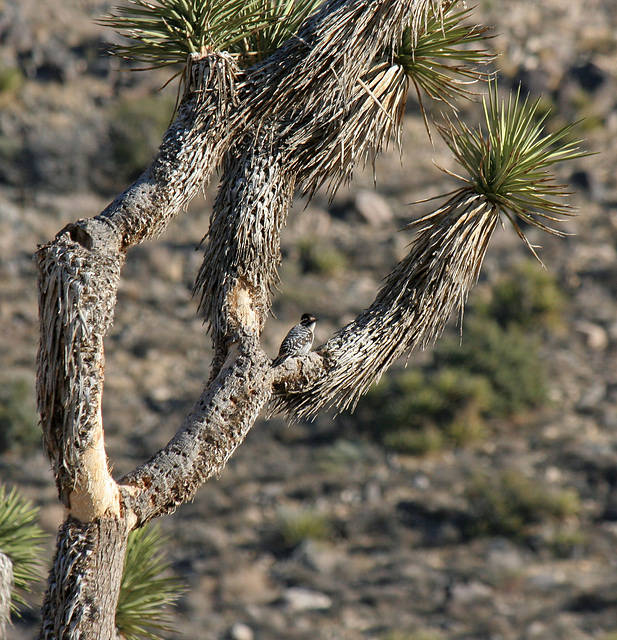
[279,360]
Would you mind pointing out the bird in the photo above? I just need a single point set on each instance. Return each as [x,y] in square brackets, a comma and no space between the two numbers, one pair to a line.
[298,341]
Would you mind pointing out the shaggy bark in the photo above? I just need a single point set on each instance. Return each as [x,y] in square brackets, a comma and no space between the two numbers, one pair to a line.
[236,279]
[314,113]
[84,581]
[324,102]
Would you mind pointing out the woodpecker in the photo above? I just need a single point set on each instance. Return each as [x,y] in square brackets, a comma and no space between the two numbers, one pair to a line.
[298,341]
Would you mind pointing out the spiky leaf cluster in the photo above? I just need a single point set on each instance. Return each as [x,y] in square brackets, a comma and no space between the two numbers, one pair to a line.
[445,56]
[508,160]
[145,591]
[282,18]
[166,32]
[20,540]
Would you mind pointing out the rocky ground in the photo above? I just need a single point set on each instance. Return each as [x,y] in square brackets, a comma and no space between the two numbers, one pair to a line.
[317,530]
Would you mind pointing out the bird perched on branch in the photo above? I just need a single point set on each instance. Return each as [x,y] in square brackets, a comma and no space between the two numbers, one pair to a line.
[298,341]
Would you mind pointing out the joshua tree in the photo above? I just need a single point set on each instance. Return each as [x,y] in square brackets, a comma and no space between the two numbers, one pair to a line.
[283,96]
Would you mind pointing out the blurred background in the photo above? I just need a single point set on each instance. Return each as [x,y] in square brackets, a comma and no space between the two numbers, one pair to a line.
[473,493]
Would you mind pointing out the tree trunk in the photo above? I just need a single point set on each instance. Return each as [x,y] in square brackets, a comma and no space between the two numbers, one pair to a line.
[84,582]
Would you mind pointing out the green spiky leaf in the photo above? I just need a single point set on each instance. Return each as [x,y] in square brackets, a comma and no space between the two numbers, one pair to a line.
[20,540]
[443,59]
[165,32]
[145,591]
[282,19]
[508,160]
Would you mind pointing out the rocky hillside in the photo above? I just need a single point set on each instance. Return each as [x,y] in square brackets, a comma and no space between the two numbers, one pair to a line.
[468,496]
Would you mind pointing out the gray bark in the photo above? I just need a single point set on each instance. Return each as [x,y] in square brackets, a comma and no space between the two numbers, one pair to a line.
[84,582]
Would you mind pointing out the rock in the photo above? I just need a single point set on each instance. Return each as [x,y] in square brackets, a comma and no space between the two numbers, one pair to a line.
[589,76]
[249,584]
[319,556]
[241,631]
[595,335]
[503,555]
[591,397]
[373,208]
[300,599]
[546,581]
[468,592]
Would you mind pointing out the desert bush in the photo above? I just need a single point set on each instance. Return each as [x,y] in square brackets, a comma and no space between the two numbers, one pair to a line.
[19,430]
[529,298]
[295,526]
[491,370]
[566,543]
[320,258]
[11,80]
[343,455]
[135,130]
[506,503]
[507,358]
[495,372]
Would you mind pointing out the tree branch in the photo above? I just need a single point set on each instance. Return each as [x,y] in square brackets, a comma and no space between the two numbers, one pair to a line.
[79,274]
[191,150]
[410,310]
[311,118]
[218,423]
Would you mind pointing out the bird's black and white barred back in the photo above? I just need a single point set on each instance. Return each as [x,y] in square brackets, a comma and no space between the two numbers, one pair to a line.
[298,341]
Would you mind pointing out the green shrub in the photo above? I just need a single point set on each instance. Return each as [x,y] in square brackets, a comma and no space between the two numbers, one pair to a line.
[11,80]
[342,455]
[528,298]
[319,257]
[135,131]
[19,430]
[508,502]
[565,544]
[418,441]
[507,358]
[419,412]
[296,526]
[493,371]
